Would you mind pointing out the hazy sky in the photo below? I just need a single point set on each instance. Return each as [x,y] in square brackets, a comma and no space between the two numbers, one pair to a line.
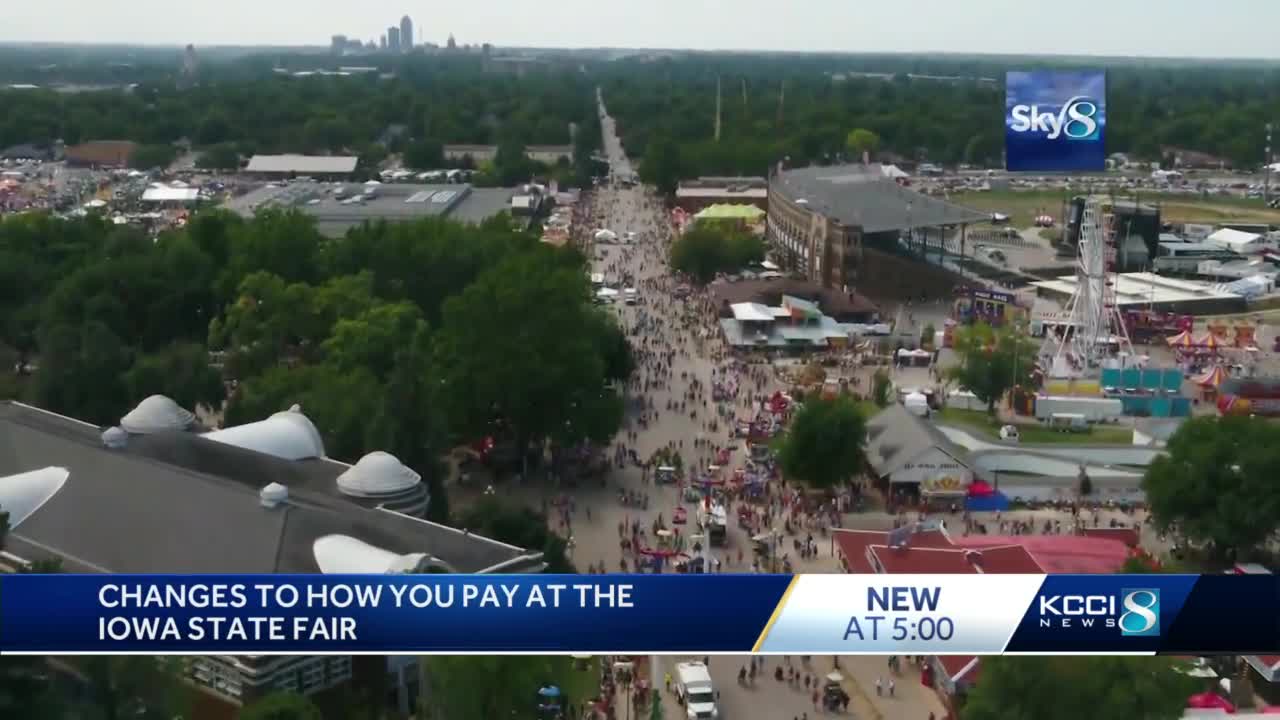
[1197,28]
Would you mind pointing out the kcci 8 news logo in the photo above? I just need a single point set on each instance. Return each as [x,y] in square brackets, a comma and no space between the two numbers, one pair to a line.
[1055,121]
[1135,612]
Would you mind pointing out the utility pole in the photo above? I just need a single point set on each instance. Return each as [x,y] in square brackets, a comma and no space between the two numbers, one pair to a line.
[782,99]
[1266,187]
[717,108]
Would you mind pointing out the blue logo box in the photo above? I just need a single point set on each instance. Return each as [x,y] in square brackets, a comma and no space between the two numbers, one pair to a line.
[1055,121]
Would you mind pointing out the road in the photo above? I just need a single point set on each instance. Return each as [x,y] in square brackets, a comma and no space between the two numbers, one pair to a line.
[663,323]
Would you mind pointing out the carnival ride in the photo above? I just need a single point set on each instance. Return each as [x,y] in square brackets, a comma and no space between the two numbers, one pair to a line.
[1096,331]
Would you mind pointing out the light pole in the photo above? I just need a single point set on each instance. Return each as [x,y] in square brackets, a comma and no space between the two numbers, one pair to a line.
[1266,158]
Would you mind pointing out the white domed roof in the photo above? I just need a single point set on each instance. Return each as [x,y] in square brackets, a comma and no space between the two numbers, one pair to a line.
[345,555]
[22,495]
[156,414]
[289,435]
[377,473]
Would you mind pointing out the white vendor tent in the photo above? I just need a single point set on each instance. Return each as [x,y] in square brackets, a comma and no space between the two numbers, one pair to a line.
[160,193]
[751,312]
[1238,241]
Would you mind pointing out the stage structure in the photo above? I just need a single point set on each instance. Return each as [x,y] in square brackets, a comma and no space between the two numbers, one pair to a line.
[1095,333]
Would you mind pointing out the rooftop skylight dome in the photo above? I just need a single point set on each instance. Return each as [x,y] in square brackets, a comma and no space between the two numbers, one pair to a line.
[345,555]
[377,474]
[288,435]
[156,413]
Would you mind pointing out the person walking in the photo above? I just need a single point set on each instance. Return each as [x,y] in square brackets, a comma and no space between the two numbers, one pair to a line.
[879,687]
[891,686]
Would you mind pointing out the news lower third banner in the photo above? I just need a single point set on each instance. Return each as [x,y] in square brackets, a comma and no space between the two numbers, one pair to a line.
[640,614]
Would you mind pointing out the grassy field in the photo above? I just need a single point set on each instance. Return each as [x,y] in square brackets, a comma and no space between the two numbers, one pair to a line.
[989,427]
[1022,207]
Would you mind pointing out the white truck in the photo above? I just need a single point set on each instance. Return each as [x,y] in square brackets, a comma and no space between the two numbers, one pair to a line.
[695,691]
[1094,410]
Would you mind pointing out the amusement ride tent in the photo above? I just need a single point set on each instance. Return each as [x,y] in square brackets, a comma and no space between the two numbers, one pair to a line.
[1183,339]
[1209,341]
[1213,378]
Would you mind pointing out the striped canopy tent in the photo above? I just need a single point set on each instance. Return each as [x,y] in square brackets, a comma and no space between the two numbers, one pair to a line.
[1183,339]
[1209,341]
[1213,378]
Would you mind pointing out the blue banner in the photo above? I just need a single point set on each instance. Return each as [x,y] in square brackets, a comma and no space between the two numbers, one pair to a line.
[639,614]
[384,613]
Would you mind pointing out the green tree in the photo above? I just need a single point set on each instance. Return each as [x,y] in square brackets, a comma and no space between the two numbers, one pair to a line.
[512,349]
[182,372]
[881,388]
[144,687]
[223,156]
[1084,484]
[661,165]
[861,140]
[711,248]
[150,157]
[425,154]
[825,444]
[1050,688]
[339,403]
[1216,484]
[281,706]
[992,360]
[81,373]
[488,686]
[371,339]
[927,335]
[520,526]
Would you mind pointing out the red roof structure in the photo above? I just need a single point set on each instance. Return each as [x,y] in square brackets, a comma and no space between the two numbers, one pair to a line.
[924,561]
[1057,553]
[960,668]
[1128,536]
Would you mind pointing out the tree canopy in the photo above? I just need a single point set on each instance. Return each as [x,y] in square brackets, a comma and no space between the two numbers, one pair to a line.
[992,361]
[448,100]
[281,706]
[490,686]
[400,337]
[825,444]
[710,248]
[800,109]
[1216,486]
[1052,688]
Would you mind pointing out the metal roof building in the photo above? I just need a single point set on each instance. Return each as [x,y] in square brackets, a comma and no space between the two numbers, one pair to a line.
[339,207]
[821,218]
[868,197]
[325,165]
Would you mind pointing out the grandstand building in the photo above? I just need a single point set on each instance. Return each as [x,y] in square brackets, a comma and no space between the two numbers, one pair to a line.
[823,219]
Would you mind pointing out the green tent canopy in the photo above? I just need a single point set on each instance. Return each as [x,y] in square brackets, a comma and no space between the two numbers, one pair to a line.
[729,212]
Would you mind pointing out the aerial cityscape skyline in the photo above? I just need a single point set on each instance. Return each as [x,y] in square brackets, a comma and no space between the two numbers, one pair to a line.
[1232,29]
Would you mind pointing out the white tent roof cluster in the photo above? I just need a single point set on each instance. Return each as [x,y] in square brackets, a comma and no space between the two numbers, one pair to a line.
[170,193]
[1236,240]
